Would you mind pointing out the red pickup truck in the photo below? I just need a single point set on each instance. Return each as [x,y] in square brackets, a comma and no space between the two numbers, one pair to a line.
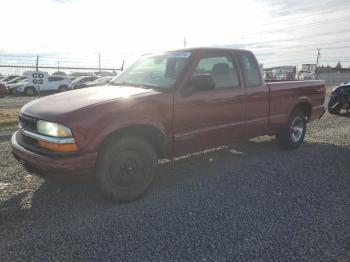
[165,105]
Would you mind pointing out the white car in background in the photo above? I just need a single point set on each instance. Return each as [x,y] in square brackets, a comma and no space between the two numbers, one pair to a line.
[54,84]
[12,87]
[99,81]
[82,80]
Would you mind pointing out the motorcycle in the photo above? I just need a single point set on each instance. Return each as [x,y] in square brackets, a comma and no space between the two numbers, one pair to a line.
[340,99]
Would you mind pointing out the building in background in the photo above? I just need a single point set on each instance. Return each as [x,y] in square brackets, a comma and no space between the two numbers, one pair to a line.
[306,72]
[280,73]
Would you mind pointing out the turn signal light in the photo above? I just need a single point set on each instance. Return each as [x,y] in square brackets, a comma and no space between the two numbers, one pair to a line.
[59,147]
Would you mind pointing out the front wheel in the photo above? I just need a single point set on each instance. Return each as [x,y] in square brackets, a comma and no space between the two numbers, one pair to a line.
[30,91]
[126,169]
[293,136]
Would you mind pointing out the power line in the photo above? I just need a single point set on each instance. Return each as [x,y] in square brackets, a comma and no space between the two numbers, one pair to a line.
[317,60]
[296,55]
[306,25]
[312,8]
[313,15]
[334,57]
[339,47]
[294,49]
[328,34]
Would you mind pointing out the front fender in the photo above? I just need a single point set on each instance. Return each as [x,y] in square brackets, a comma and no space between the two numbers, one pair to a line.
[98,138]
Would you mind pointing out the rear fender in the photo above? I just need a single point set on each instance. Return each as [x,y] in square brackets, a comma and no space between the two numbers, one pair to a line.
[299,102]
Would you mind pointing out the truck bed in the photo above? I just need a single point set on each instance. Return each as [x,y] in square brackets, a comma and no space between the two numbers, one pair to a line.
[285,95]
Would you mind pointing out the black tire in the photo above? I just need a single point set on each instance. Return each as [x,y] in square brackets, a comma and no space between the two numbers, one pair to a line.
[293,135]
[126,169]
[13,91]
[63,88]
[335,110]
[30,91]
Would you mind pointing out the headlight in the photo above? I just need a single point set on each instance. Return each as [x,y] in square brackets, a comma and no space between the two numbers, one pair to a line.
[53,129]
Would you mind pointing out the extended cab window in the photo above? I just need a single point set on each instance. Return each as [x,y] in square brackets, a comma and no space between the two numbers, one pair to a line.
[250,69]
[221,68]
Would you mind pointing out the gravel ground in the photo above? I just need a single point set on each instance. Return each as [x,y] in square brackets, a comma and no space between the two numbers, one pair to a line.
[251,202]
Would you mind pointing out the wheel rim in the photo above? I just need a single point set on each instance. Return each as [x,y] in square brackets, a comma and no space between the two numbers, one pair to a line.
[338,108]
[126,169]
[297,129]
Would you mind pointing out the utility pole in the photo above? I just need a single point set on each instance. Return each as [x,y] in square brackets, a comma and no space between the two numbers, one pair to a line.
[185,42]
[122,68]
[317,60]
[58,66]
[37,69]
[99,61]
[37,63]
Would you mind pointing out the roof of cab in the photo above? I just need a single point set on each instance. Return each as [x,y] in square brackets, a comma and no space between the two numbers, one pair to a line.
[208,48]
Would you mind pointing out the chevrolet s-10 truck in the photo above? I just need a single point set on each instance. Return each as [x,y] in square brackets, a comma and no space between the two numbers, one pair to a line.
[164,105]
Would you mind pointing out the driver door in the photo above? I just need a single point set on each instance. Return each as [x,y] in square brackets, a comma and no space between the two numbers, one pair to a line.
[210,118]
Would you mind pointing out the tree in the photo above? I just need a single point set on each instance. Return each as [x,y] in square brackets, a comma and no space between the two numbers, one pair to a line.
[338,66]
[59,73]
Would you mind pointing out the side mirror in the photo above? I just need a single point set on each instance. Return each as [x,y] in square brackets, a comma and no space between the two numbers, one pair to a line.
[202,82]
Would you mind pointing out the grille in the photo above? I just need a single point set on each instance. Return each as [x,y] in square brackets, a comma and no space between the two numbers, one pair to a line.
[27,123]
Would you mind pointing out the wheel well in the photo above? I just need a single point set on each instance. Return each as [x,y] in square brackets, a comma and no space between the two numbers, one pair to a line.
[150,133]
[30,87]
[306,108]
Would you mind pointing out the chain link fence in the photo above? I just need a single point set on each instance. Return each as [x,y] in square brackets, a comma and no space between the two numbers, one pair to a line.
[13,69]
[17,65]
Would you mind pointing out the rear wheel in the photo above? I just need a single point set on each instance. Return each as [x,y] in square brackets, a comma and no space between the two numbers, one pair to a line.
[30,91]
[126,169]
[293,136]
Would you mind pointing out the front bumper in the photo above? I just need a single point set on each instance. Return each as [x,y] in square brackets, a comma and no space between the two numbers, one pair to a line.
[70,165]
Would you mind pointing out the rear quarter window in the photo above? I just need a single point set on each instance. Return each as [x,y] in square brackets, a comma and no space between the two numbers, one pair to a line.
[251,70]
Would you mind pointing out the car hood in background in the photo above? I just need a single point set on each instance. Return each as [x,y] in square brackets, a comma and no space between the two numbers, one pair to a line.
[69,101]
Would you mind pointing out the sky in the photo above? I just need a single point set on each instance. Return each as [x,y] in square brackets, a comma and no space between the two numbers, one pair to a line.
[279,32]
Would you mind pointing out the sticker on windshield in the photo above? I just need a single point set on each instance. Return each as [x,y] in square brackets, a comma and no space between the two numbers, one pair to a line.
[179,55]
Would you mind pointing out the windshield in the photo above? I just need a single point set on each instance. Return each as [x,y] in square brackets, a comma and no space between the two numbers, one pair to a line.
[15,80]
[7,78]
[22,81]
[155,71]
[78,79]
[101,80]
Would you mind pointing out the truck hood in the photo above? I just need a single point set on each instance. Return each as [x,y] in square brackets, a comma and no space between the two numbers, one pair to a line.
[70,101]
